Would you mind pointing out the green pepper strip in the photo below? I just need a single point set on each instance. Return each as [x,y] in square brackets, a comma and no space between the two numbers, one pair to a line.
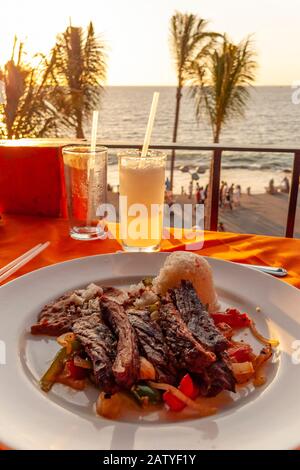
[57,367]
[141,392]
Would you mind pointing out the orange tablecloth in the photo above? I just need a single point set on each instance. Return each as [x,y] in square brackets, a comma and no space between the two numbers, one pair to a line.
[20,233]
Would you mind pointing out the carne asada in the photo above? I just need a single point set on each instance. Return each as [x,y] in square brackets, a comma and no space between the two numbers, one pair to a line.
[188,353]
[58,317]
[100,345]
[197,318]
[152,344]
[126,365]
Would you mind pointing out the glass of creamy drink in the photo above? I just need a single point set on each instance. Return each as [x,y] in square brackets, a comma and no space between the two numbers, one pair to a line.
[142,190]
[86,184]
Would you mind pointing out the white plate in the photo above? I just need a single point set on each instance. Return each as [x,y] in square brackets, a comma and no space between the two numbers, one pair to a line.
[266,417]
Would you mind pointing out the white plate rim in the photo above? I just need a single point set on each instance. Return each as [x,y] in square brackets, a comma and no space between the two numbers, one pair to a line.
[15,282]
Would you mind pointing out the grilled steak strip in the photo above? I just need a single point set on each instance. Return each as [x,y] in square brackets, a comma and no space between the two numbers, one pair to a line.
[58,316]
[152,345]
[197,318]
[127,362]
[100,345]
[219,375]
[188,353]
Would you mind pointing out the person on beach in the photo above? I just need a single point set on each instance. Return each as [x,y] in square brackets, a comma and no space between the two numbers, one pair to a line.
[190,189]
[168,184]
[229,196]
[169,198]
[205,192]
[221,202]
[271,188]
[224,194]
[202,198]
[248,191]
[237,195]
[285,185]
[198,195]
[231,192]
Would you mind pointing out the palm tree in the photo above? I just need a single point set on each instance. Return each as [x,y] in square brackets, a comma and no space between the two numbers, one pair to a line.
[222,89]
[188,40]
[80,70]
[26,112]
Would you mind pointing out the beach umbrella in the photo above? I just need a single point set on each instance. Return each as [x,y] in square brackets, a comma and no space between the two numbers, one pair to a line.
[201,169]
[195,176]
[184,169]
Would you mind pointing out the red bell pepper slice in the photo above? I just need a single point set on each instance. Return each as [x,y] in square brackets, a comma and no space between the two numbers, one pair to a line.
[240,353]
[173,402]
[232,317]
[187,387]
[75,372]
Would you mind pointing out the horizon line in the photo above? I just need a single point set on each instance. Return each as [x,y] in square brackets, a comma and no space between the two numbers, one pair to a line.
[188,86]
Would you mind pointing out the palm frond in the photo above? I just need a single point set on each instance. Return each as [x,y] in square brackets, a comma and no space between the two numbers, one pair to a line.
[223,88]
[80,70]
[189,39]
[25,113]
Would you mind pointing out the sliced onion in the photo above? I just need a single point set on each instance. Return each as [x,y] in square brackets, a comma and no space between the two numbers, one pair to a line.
[181,396]
[271,342]
[242,368]
[261,359]
[66,341]
[242,371]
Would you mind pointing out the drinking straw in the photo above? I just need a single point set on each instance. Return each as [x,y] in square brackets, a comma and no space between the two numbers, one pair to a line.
[91,166]
[94,131]
[150,124]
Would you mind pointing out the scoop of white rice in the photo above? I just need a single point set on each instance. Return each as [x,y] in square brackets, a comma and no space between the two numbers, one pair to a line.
[182,265]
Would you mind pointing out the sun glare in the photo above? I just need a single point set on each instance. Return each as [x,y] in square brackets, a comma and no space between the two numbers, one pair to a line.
[137,36]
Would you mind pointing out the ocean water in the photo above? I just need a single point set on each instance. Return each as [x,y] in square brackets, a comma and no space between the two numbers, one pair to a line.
[270,119]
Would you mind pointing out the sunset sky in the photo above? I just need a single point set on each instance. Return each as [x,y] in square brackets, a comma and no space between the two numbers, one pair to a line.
[136,33]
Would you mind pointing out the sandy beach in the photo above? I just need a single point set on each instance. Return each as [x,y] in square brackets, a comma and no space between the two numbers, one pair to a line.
[262,214]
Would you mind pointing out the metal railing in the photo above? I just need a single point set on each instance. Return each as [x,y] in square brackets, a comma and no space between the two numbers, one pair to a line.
[217,150]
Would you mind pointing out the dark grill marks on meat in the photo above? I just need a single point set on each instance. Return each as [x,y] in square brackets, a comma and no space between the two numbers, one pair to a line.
[117,295]
[58,317]
[127,362]
[152,345]
[197,318]
[217,377]
[188,353]
[100,345]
